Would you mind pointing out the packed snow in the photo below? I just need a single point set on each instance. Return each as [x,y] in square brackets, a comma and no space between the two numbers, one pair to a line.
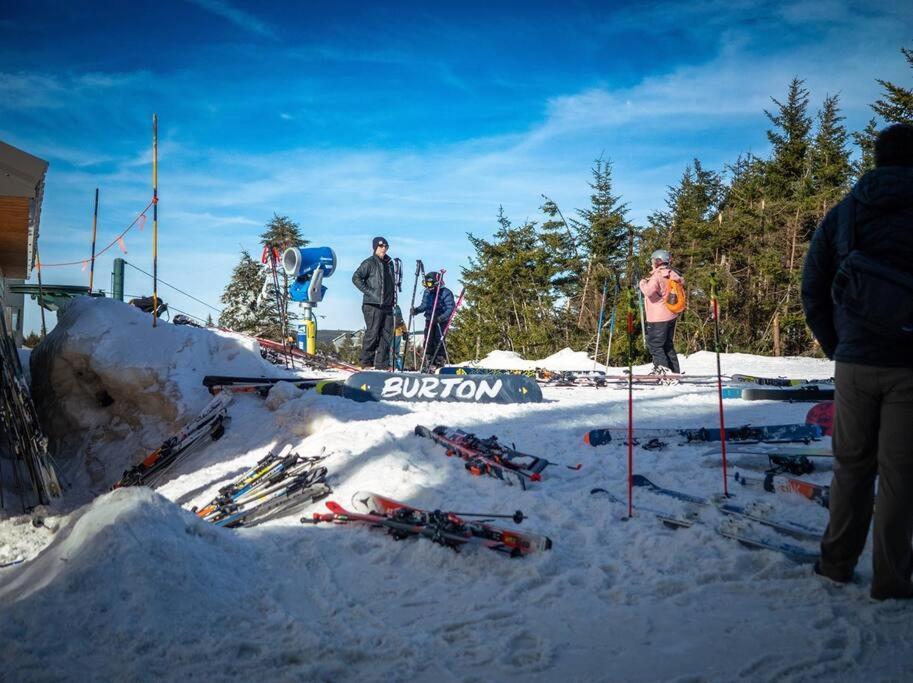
[133,586]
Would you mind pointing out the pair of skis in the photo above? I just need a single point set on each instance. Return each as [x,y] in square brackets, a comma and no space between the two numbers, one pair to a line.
[746,434]
[489,457]
[278,484]
[258,385]
[450,529]
[210,425]
[744,523]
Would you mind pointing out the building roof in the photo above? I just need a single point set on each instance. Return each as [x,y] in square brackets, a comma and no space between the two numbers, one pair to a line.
[21,193]
[21,174]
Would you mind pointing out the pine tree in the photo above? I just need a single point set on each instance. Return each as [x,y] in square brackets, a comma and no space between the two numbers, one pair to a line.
[240,297]
[831,168]
[509,303]
[209,322]
[788,170]
[603,230]
[865,141]
[281,233]
[896,105]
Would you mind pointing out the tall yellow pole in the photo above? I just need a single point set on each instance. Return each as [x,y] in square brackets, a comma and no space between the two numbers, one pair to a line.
[94,227]
[155,218]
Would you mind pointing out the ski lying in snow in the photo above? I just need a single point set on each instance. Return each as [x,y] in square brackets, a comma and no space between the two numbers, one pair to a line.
[756,511]
[777,381]
[775,451]
[489,457]
[745,533]
[741,529]
[811,393]
[746,434]
[279,484]
[446,528]
[224,382]
[775,483]
[210,425]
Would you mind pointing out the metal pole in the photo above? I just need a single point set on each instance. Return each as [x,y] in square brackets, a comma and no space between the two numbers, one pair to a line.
[44,329]
[94,228]
[155,218]
[605,287]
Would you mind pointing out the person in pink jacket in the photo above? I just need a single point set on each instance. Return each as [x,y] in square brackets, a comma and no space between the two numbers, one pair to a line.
[660,320]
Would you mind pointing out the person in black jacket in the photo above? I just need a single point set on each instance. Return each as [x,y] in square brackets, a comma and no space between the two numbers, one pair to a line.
[375,280]
[873,416]
[434,329]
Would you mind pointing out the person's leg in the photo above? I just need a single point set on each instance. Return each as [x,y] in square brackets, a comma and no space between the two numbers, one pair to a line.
[439,342]
[431,340]
[857,407]
[669,348]
[892,555]
[656,339]
[384,342]
[373,321]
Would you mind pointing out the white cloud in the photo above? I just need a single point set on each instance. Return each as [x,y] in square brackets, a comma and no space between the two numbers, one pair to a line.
[236,16]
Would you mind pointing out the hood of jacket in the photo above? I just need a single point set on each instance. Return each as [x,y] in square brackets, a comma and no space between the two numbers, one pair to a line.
[887,187]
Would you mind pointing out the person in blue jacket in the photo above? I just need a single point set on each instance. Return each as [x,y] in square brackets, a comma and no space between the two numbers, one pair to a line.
[434,329]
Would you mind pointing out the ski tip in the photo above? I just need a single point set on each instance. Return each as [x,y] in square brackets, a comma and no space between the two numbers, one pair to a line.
[586,440]
[641,480]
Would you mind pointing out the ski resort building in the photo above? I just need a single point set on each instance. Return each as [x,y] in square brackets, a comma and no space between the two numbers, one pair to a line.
[21,192]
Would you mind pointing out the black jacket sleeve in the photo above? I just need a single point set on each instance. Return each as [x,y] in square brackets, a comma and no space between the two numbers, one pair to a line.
[360,276]
[817,278]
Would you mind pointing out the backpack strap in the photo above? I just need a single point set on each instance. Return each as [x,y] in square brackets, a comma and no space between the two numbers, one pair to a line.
[846,227]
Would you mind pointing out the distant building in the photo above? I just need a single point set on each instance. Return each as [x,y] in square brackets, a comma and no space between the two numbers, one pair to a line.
[347,338]
[21,192]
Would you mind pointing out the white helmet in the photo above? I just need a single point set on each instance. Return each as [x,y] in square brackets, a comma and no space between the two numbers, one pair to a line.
[661,255]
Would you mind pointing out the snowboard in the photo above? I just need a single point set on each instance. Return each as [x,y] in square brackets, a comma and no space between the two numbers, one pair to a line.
[823,416]
[421,387]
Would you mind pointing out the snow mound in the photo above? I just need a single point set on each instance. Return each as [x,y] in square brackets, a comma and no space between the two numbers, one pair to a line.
[108,387]
[566,359]
[133,552]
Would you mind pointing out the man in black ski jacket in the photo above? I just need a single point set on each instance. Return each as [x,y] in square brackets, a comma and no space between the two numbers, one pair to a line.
[375,280]
[856,305]
[434,329]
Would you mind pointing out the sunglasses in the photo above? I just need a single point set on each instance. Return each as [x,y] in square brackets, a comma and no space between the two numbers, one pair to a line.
[381,244]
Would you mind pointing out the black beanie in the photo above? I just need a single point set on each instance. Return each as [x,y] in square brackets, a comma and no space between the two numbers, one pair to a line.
[894,146]
[376,241]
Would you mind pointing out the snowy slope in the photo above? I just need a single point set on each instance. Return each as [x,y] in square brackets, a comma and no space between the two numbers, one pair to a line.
[133,587]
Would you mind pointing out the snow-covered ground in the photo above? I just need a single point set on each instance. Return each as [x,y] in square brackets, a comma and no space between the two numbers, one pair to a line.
[134,587]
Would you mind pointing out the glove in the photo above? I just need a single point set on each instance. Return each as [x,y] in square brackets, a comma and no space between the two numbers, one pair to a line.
[442,320]
[413,310]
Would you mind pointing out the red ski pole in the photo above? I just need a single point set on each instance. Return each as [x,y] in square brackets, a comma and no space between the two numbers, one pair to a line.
[715,308]
[630,405]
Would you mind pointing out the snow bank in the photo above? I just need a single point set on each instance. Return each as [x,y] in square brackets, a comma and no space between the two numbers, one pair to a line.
[108,387]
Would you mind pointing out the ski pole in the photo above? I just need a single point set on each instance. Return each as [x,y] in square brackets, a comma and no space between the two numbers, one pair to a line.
[715,311]
[630,400]
[643,324]
[437,293]
[419,271]
[608,354]
[397,288]
[447,326]
[605,287]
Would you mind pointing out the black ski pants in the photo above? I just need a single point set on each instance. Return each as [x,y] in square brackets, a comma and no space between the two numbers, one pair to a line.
[375,346]
[661,342]
[433,341]
[873,435]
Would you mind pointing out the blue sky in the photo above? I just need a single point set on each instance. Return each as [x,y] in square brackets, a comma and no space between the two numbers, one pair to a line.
[408,120]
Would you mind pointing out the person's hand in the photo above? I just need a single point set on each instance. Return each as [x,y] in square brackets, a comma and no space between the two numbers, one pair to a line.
[413,311]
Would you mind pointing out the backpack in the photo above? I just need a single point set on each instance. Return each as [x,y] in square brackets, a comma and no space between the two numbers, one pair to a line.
[870,293]
[675,296]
